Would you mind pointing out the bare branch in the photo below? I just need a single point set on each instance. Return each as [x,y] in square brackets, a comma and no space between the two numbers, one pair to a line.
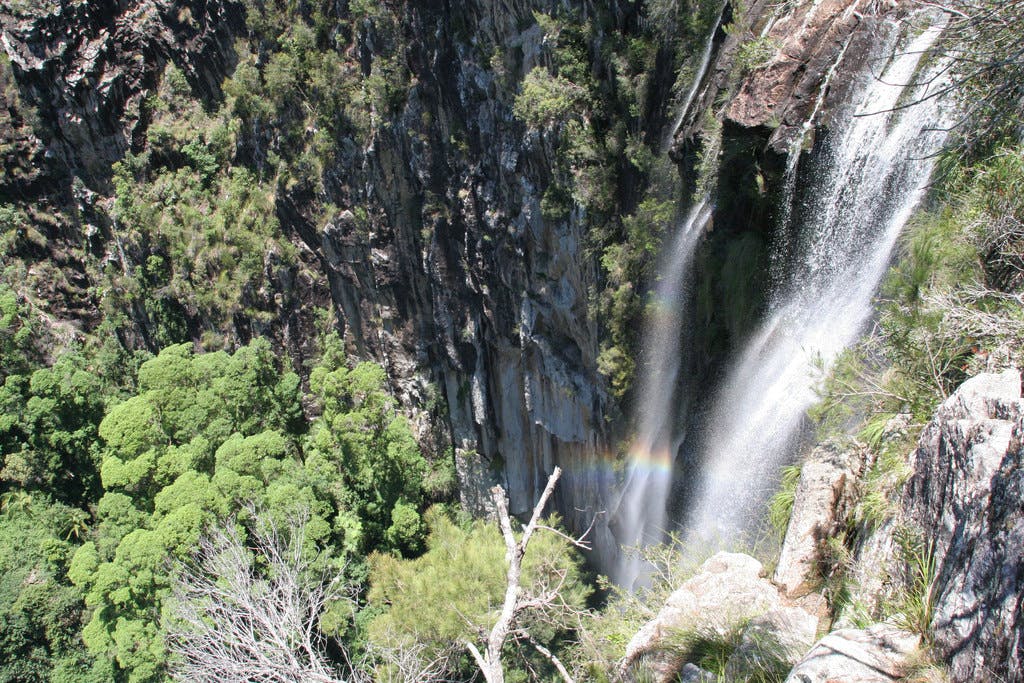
[247,611]
[562,671]
[547,600]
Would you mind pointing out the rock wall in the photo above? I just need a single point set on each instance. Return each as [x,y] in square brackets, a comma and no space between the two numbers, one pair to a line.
[84,69]
[966,495]
[478,307]
[959,514]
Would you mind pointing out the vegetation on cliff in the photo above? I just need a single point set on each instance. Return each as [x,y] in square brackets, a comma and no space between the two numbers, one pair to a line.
[159,412]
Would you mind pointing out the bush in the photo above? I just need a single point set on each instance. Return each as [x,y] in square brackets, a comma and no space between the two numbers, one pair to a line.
[780,507]
[544,99]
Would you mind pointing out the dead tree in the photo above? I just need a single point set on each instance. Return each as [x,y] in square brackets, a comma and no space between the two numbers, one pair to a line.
[516,604]
[248,611]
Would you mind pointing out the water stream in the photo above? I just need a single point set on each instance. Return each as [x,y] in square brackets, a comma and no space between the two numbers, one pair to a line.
[640,517]
[865,187]
[702,69]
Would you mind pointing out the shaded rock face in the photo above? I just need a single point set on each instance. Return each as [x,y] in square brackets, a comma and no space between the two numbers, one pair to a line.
[484,299]
[85,69]
[879,654]
[822,502]
[966,496]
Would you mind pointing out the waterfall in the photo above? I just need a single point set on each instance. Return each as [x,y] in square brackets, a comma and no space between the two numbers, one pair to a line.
[702,69]
[867,182]
[640,517]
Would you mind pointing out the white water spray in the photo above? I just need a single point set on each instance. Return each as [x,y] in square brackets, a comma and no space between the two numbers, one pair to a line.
[872,178]
[640,517]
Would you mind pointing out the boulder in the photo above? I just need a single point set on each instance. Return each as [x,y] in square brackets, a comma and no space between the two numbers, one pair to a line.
[727,591]
[772,644]
[965,496]
[823,496]
[879,654]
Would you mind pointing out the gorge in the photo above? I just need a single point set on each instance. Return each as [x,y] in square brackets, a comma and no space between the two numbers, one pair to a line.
[725,264]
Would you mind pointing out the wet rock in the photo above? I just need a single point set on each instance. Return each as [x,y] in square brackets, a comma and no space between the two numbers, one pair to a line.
[879,654]
[807,42]
[823,498]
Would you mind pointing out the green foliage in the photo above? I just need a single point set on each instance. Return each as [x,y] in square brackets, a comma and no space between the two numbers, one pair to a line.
[711,650]
[756,53]
[454,591]
[626,263]
[201,238]
[40,614]
[982,43]
[545,99]
[48,429]
[206,436]
[914,605]
[780,507]
[365,456]
[16,334]
[707,649]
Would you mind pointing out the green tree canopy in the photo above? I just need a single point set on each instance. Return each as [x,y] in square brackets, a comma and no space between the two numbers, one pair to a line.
[453,592]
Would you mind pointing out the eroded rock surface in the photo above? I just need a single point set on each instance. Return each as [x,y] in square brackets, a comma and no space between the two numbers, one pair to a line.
[879,654]
[823,498]
[728,592]
[87,67]
[804,60]
[967,496]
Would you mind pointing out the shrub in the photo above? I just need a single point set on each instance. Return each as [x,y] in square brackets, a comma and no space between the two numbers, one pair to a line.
[544,99]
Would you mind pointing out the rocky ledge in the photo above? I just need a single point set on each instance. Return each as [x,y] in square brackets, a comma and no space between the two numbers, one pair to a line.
[963,504]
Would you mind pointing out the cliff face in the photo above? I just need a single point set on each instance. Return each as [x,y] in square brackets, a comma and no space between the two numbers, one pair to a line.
[85,68]
[474,290]
[965,496]
[437,261]
[437,257]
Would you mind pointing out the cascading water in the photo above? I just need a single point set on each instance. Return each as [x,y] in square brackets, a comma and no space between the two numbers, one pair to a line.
[869,181]
[702,69]
[640,517]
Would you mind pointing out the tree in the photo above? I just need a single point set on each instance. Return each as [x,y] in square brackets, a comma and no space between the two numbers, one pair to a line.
[48,430]
[984,42]
[361,453]
[468,587]
[246,610]
[204,434]
[40,613]
[208,434]
[516,602]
